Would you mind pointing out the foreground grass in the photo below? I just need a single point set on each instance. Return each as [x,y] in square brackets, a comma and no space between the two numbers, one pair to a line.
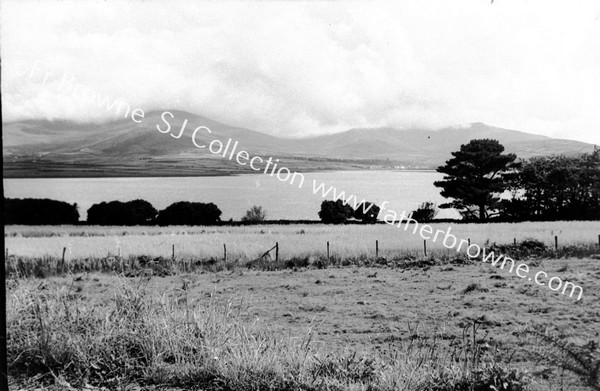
[147,338]
[352,320]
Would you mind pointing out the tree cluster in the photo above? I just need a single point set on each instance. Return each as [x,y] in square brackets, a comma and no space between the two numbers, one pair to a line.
[338,212]
[136,212]
[31,211]
[140,212]
[189,213]
[553,187]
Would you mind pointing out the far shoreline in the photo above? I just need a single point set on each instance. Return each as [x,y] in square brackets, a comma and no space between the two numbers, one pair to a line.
[204,175]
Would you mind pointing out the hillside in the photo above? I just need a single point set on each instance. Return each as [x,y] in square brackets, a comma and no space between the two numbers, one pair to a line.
[41,148]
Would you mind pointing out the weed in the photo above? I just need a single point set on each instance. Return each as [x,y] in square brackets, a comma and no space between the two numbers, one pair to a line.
[474,287]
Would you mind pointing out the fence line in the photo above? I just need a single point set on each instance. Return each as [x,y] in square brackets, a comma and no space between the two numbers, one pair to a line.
[276,248]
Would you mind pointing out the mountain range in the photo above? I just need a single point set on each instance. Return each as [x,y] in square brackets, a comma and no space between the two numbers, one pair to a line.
[42,148]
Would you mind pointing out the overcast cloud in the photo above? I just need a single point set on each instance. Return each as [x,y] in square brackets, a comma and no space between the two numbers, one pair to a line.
[305,68]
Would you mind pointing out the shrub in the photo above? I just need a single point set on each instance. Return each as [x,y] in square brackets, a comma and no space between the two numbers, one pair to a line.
[335,212]
[34,211]
[136,212]
[255,214]
[426,212]
[367,212]
[189,213]
[581,360]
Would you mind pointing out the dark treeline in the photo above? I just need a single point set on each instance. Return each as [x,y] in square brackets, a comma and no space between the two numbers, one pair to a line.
[31,211]
[189,213]
[136,212]
[555,188]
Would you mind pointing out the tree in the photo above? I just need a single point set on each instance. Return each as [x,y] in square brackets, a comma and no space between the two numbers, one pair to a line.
[35,211]
[556,187]
[189,213]
[335,212]
[367,212]
[426,212]
[255,214]
[474,177]
[136,212]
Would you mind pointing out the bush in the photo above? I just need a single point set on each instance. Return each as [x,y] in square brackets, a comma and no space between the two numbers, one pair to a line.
[426,212]
[136,212]
[335,212]
[34,211]
[367,212]
[189,213]
[255,214]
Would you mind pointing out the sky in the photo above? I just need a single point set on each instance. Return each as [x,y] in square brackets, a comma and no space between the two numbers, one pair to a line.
[304,68]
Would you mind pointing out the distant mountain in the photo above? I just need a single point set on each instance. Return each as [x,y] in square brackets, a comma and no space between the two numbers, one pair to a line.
[432,147]
[124,148]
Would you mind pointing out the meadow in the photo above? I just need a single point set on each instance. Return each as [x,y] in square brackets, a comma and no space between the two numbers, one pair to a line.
[400,321]
[248,242]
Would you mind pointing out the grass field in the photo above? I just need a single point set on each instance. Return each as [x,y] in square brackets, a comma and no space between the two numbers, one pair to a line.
[246,243]
[435,323]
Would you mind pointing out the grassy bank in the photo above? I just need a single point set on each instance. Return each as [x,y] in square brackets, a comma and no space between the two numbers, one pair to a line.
[351,321]
[142,337]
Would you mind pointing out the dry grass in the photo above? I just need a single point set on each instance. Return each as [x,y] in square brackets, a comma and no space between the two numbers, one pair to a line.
[247,243]
[143,337]
[350,322]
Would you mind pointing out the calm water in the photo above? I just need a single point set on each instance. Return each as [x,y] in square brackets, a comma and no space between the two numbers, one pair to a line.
[404,190]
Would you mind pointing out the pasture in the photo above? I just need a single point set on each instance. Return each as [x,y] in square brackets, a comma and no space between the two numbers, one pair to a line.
[249,242]
[440,324]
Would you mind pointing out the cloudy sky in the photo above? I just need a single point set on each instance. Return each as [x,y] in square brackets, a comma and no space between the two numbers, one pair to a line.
[303,68]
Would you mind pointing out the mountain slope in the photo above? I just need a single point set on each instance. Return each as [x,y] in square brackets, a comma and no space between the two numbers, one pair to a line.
[123,147]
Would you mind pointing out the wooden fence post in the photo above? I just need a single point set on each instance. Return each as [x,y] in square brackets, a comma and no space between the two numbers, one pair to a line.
[556,243]
[468,242]
[173,253]
[425,247]
[62,263]
[6,256]
[598,244]
[224,252]
[515,241]
[377,249]
[328,248]
[276,251]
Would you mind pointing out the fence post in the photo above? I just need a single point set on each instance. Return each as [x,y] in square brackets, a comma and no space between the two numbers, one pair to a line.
[515,241]
[224,252]
[276,251]
[598,244]
[6,256]
[62,263]
[425,247]
[377,249]
[328,248]
[173,253]
[556,243]
[468,242]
